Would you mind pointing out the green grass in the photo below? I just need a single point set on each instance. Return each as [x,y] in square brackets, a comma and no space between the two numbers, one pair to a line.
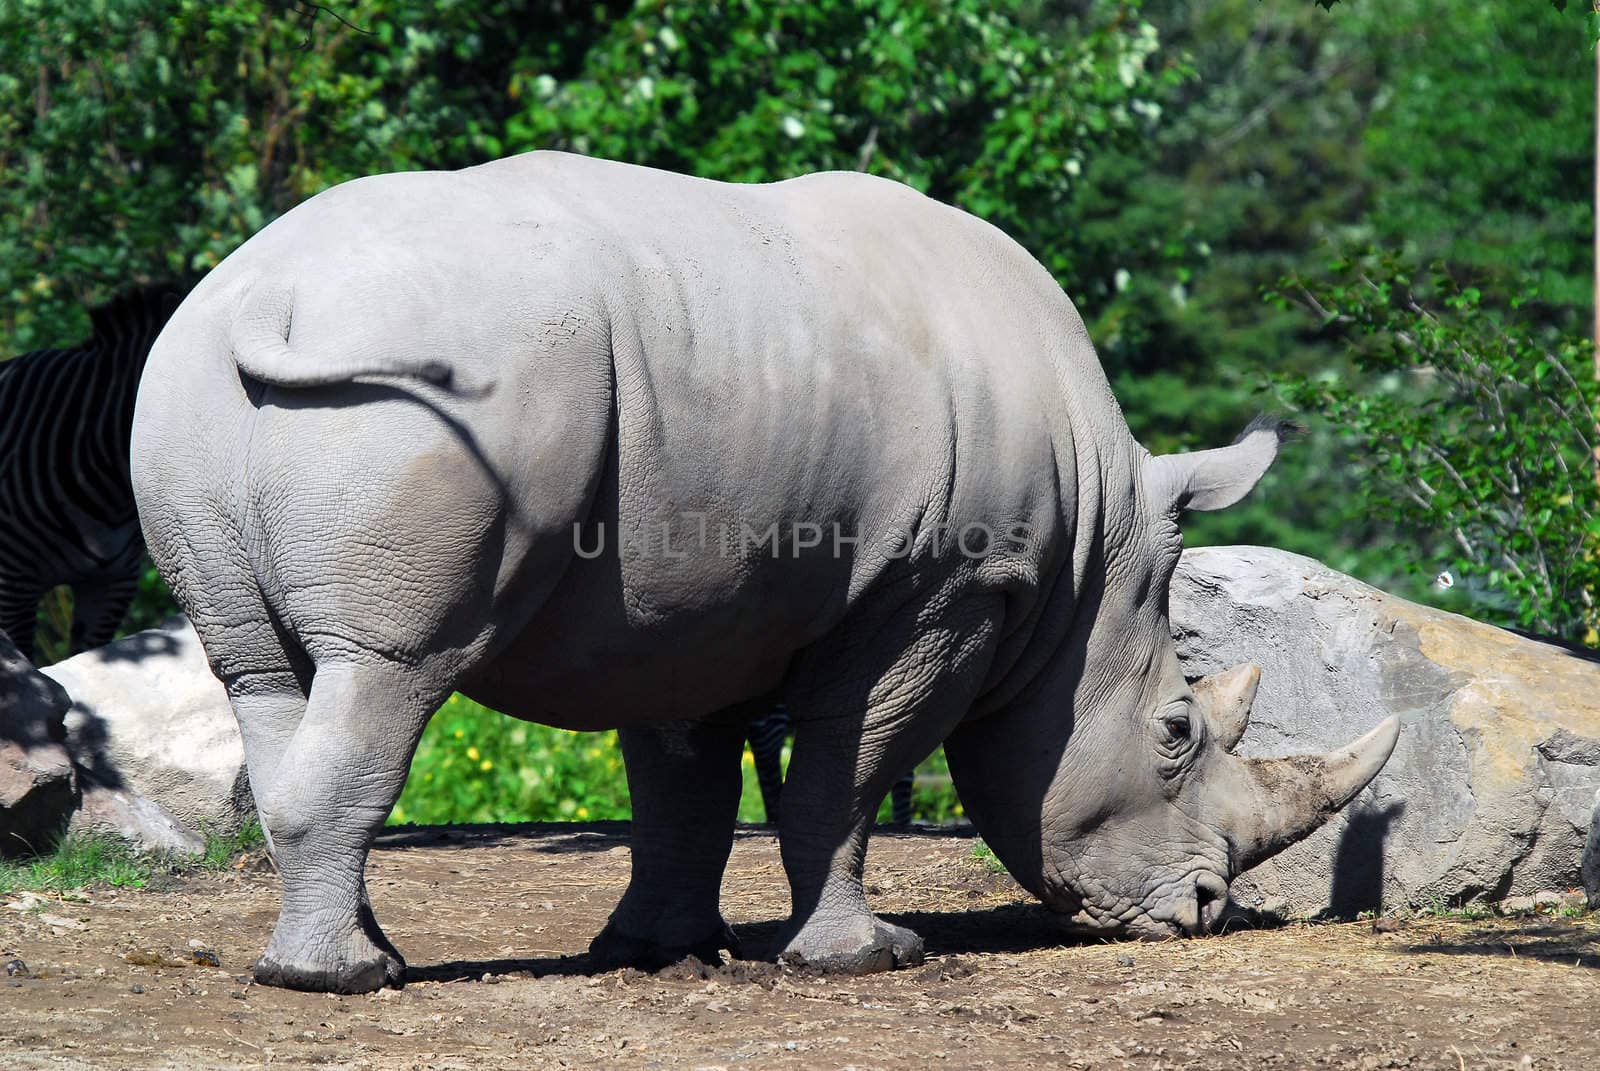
[84,861]
[985,857]
[475,765]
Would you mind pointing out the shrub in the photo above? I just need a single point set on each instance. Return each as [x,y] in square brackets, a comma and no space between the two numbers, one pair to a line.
[475,765]
[1475,432]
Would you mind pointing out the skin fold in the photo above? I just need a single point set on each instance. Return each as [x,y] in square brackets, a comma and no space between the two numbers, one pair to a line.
[603,446]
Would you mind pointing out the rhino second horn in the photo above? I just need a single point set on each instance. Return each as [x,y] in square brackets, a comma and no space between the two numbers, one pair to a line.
[1298,794]
[1225,698]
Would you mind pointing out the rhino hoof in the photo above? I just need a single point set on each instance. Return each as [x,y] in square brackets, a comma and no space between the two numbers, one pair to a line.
[889,947]
[366,977]
[613,949]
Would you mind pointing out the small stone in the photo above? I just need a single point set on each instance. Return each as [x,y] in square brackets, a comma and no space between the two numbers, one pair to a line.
[136,988]
[60,922]
[16,968]
[205,957]
[1124,960]
[490,979]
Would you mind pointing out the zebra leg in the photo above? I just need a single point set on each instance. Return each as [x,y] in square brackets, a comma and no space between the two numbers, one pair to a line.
[98,609]
[684,781]
[19,614]
[767,735]
[900,800]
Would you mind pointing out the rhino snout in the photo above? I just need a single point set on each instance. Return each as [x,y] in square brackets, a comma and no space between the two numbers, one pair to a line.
[1186,908]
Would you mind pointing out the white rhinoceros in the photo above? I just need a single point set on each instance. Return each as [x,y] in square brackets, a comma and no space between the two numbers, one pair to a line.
[603,446]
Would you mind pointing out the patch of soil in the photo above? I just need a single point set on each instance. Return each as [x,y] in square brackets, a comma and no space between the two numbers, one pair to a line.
[495,921]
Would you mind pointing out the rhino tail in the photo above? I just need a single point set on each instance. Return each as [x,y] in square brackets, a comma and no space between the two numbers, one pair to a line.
[259,340]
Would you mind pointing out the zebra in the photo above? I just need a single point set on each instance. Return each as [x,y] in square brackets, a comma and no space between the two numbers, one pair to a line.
[767,734]
[67,514]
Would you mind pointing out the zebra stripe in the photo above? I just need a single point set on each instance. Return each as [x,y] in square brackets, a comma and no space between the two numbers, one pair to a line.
[67,514]
[767,735]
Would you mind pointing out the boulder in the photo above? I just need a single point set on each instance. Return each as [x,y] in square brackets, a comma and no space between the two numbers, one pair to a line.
[1491,790]
[144,824]
[155,741]
[38,787]
[1591,858]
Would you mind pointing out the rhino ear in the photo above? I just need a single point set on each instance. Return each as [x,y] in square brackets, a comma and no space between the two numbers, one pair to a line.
[1224,698]
[1216,479]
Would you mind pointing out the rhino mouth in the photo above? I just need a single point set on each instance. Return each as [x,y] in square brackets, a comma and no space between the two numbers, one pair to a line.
[1188,908]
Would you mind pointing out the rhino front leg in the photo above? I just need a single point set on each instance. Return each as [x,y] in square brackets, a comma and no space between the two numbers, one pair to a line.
[876,702]
[327,795]
[684,783]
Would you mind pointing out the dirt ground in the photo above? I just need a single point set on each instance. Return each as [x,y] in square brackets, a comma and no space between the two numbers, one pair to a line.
[494,922]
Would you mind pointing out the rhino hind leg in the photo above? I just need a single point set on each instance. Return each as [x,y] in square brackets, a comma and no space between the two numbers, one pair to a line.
[879,699]
[322,799]
[684,783]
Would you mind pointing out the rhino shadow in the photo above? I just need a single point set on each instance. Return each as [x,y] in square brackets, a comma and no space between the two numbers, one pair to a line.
[543,837]
[560,838]
[1010,928]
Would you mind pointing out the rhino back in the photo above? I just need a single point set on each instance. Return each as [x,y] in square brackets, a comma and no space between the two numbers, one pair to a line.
[834,355]
[834,351]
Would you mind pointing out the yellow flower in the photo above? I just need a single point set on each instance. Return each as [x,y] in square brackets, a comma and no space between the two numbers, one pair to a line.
[460,733]
[485,765]
[583,812]
[472,753]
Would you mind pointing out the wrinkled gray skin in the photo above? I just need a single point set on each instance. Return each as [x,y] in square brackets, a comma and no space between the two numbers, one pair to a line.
[363,443]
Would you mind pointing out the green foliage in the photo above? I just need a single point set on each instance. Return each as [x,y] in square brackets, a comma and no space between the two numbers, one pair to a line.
[1306,132]
[85,860]
[1472,426]
[984,856]
[78,861]
[222,851]
[143,140]
[475,765]
[966,100]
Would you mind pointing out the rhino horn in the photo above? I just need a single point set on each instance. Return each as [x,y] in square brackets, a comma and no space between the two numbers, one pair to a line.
[1293,796]
[1225,700]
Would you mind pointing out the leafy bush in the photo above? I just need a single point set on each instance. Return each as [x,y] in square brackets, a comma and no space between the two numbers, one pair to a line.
[475,765]
[1473,429]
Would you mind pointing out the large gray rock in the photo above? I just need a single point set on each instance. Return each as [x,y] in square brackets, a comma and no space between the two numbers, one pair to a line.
[38,787]
[155,740]
[1591,858]
[1492,788]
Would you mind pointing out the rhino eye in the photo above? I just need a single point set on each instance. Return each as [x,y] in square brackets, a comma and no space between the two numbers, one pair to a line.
[1178,727]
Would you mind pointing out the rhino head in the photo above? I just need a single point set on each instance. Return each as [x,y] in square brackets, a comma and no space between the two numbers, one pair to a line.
[1110,789]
